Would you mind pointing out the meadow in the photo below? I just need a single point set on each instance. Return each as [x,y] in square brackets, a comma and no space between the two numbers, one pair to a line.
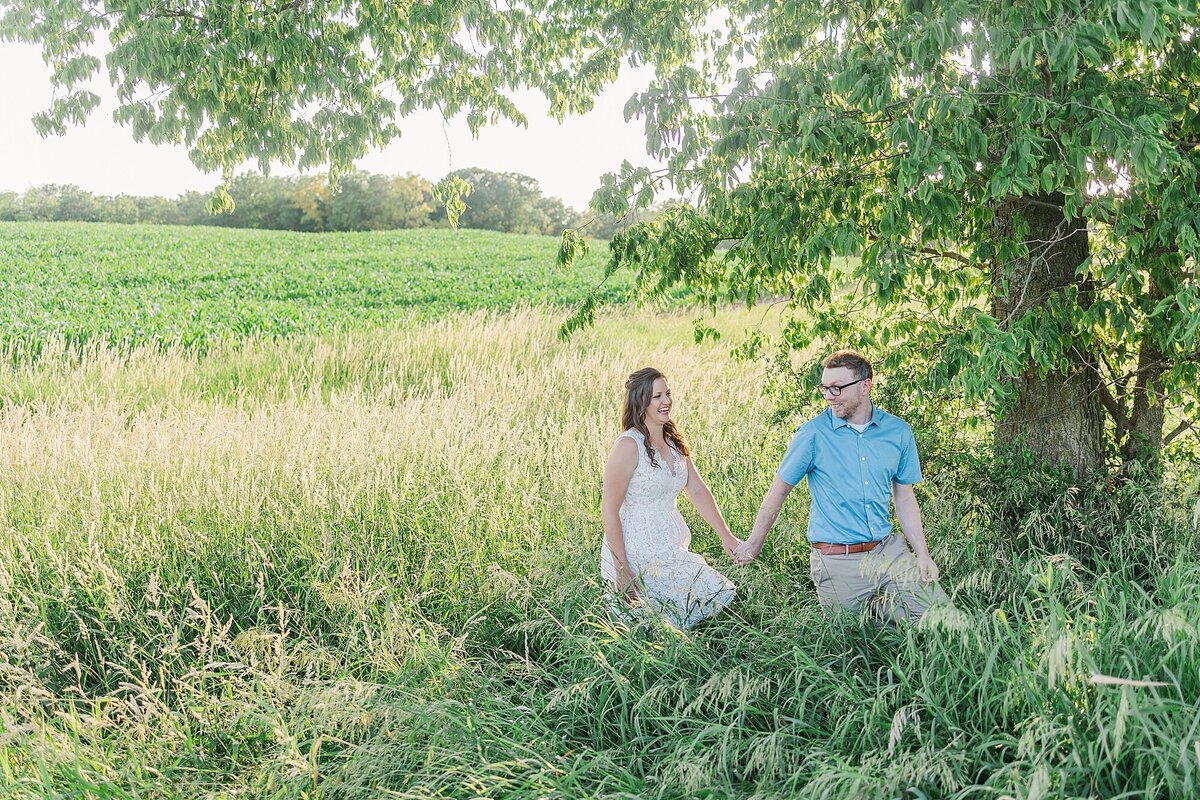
[360,562]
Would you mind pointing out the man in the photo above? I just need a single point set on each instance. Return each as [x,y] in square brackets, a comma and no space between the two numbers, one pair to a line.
[857,458]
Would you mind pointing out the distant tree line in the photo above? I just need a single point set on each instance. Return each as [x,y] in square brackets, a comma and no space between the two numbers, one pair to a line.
[361,201]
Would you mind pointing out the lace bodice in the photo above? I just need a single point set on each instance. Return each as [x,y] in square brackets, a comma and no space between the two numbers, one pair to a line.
[651,484]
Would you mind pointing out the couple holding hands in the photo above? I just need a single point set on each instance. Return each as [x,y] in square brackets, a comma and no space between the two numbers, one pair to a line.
[858,459]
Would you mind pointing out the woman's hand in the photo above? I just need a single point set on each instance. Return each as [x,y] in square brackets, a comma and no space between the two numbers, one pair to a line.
[630,595]
[731,544]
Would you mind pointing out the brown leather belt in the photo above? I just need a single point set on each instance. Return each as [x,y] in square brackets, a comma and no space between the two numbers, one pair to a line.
[827,549]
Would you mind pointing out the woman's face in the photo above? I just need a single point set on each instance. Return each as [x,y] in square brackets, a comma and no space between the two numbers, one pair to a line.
[658,411]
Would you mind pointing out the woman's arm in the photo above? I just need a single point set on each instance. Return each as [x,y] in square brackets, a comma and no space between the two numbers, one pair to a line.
[706,506]
[622,461]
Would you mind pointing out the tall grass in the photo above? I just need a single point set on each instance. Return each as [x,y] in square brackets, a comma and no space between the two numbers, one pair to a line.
[364,565]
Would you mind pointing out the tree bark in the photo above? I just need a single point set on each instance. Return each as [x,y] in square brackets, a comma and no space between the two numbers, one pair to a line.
[1059,417]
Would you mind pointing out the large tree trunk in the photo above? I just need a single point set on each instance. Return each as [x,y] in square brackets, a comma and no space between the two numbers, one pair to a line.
[1059,417]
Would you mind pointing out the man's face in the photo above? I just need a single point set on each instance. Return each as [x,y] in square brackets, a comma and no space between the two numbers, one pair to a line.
[852,398]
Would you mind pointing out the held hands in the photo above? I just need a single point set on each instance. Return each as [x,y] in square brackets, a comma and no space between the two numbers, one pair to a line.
[731,543]
[748,551]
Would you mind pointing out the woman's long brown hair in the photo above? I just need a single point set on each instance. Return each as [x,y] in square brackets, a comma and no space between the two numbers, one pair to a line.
[638,391]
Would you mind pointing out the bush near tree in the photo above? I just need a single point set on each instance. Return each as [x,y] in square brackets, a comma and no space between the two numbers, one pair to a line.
[119,209]
[365,202]
[509,202]
[10,206]
[266,203]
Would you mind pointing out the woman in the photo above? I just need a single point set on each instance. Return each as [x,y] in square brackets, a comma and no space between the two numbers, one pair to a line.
[645,552]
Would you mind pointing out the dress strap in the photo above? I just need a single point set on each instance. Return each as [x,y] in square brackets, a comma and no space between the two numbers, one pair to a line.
[638,440]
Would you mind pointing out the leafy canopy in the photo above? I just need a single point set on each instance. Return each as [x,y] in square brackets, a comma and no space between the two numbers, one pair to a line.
[901,132]
[320,82]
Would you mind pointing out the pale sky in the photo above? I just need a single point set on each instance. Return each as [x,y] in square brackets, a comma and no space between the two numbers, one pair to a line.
[101,157]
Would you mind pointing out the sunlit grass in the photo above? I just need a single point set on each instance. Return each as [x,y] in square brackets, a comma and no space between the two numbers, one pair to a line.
[364,565]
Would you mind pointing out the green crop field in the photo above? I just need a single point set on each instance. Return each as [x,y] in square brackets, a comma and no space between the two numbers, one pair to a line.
[359,560]
[139,284]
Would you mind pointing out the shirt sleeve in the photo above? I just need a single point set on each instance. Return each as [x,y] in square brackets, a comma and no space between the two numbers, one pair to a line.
[909,470]
[798,460]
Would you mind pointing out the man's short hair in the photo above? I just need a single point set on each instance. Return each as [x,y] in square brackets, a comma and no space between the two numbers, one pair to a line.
[851,359]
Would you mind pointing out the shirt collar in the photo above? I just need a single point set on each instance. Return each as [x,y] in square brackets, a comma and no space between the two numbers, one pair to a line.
[877,415]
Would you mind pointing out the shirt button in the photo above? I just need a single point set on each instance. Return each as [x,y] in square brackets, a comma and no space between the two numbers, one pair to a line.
[864,458]
[865,483]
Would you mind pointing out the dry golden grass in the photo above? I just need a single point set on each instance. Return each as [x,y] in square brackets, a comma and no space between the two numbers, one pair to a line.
[326,421]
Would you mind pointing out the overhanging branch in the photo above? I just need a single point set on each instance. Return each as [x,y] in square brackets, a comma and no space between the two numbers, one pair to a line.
[1178,431]
[932,251]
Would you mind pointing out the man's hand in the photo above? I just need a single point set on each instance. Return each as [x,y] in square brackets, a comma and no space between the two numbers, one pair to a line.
[748,551]
[928,569]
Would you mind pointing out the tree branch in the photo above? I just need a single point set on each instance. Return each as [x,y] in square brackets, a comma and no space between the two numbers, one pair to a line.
[930,251]
[177,13]
[959,257]
[1115,411]
[1179,430]
[1118,382]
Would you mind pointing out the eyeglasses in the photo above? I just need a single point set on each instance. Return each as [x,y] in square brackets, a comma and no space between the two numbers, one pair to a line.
[836,391]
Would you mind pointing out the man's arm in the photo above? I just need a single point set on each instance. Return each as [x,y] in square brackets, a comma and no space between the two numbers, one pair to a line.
[768,512]
[909,514]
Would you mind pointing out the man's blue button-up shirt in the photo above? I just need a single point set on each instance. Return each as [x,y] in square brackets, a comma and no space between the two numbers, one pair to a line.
[850,474]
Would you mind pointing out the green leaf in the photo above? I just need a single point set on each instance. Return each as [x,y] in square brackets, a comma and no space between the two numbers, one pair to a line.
[1149,23]
[702,331]
[450,191]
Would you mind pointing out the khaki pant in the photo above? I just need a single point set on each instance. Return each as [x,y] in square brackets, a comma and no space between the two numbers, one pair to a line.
[885,581]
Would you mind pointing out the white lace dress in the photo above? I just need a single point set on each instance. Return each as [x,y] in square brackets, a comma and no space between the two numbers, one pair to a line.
[680,584]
